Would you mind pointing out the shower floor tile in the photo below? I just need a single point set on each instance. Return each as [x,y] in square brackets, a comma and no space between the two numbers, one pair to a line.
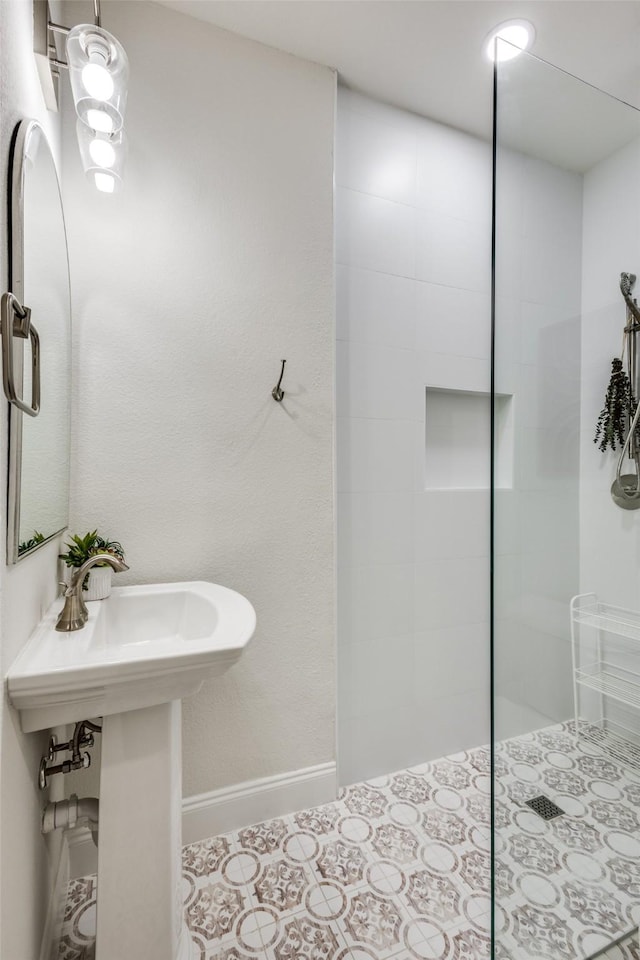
[400,866]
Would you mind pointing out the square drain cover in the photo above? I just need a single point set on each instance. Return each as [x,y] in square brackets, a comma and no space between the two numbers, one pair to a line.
[544,807]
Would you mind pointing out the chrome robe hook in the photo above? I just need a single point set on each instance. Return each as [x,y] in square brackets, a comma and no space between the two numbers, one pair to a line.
[277,393]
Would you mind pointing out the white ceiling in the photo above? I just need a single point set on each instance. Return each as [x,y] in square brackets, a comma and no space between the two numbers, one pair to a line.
[425,55]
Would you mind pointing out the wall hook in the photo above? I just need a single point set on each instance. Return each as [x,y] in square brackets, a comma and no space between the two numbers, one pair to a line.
[277,393]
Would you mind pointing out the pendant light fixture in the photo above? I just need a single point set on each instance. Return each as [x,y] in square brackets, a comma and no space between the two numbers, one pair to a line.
[103,156]
[99,75]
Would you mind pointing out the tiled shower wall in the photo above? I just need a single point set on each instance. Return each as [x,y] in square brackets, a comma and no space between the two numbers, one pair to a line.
[413,222]
[610,537]
[413,252]
[538,332]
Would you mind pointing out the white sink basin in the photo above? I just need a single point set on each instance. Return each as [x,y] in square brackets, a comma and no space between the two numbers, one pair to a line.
[143,646]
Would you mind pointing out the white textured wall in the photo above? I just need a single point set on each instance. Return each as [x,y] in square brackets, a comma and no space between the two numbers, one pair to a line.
[27,862]
[214,262]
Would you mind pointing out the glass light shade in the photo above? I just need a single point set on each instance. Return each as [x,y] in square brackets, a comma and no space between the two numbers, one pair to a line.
[103,156]
[99,120]
[99,74]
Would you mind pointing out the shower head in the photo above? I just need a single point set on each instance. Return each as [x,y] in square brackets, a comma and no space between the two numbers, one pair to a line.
[627,283]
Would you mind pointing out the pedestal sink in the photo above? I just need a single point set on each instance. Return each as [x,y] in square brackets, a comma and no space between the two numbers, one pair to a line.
[141,651]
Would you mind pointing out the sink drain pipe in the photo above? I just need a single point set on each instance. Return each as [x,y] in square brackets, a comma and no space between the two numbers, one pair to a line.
[72,813]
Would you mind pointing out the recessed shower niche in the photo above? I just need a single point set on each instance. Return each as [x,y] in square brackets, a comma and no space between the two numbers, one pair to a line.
[458,439]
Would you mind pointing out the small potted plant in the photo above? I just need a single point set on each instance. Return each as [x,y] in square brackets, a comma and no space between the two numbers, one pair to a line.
[97,583]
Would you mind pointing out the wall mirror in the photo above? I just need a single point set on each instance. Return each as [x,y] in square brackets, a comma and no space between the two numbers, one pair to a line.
[36,346]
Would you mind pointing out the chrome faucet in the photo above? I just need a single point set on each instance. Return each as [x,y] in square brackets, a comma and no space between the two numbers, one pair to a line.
[74,614]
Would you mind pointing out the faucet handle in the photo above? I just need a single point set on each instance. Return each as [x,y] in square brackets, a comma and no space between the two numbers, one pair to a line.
[75,614]
[98,558]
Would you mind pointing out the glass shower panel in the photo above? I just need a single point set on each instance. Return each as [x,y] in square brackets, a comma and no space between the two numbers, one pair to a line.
[566,557]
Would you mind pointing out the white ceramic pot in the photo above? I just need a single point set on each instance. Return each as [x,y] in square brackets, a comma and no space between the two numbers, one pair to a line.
[99,586]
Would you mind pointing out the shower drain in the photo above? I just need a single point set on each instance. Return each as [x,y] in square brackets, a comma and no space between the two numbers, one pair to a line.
[544,807]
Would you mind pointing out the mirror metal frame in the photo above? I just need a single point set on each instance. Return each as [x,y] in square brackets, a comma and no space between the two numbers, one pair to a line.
[15,221]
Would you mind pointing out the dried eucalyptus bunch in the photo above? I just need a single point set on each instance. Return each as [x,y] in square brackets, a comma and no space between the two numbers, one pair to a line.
[619,405]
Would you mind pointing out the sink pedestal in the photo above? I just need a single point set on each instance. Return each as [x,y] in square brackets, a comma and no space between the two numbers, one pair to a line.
[139,912]
[140,652]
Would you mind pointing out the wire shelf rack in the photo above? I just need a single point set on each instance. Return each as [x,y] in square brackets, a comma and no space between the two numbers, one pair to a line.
[588,610]
[615,740]
[605,648]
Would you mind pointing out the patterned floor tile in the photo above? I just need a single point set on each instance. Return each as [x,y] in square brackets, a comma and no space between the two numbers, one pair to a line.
[399,868]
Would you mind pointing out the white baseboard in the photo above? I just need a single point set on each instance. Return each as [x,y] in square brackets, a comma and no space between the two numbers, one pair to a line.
[231,808]
[49,946]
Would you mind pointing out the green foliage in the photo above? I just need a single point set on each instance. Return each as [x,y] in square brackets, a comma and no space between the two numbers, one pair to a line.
[619,405]
[30,544]
[79,549]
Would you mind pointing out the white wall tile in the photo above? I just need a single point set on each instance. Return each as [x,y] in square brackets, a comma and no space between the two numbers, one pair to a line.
[609,549]
[375,602]
[375,307]
[376,381]
[507,521]
[513,718]
[552,204]
[509,216]
[454,174]
[375,234]
[508,255]
[451,660]
[453,321]
[510,166]
[611,227]
[461,722]
[549,686]
[453,252]
[549,520]
[380,742]
[541,345]
[375,455]
[546,395]
[551,574]
[440,321]
[375,528]
[547,459]
[451,523]
[508,586]
[545,614]
[508,324]
[380,673]
[361,103]
[377,155]
[449,372]
[551,273]
[597,469]
[451,592]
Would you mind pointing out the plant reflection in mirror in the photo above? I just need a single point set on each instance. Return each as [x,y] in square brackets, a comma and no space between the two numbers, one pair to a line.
[30,544]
